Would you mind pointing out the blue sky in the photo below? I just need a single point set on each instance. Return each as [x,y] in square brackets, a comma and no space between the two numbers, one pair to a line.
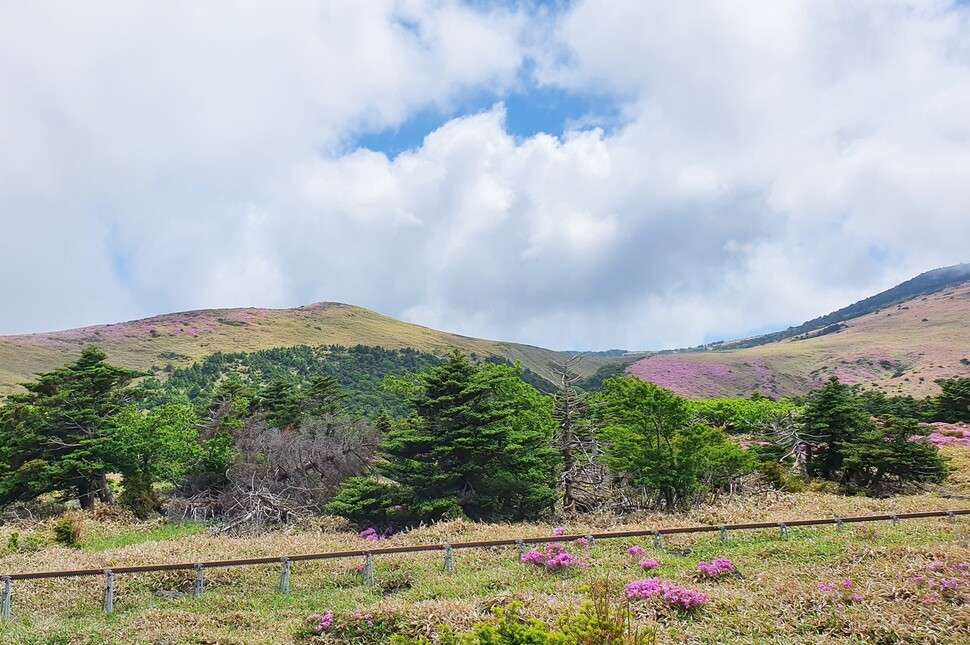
[713,170]
[529,111]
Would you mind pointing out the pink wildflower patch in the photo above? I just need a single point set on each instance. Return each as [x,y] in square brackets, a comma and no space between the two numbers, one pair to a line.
[680,598]
[370,534]
[716,568]
[842,592]
[636,551]
[648,564]
[559,531]
[554,558]
[320,622]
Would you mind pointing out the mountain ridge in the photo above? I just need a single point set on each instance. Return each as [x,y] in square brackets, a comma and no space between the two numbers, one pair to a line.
[782,363]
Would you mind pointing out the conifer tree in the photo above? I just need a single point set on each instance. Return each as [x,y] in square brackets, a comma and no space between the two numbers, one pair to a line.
[477,443]
[55,437]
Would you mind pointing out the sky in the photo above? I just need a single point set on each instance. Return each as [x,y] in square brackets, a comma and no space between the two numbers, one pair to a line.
[571,174]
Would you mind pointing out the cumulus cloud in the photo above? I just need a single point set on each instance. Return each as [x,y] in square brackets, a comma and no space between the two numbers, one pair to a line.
[771,163]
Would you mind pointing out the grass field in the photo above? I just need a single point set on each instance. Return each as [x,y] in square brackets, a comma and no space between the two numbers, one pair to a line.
[778,599]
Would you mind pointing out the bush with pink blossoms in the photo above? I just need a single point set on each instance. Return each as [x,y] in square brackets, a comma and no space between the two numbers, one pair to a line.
[648,564]
[370,534]
[358,627]
[944,582]
[680,598]
[843,593]
[554,558]
[320,623]
[636,551]
[559,531]
[717,568]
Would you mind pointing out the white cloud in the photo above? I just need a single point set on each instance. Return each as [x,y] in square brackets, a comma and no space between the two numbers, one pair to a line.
[774,162]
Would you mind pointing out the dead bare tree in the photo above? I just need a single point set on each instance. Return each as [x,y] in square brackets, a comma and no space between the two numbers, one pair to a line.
[575,438]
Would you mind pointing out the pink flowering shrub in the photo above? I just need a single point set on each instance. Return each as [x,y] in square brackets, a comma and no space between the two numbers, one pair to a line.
[843,593]
[554,558]
[947,434]
[358,627]
[320,623]
[648,564]
[372,534]
[716,568]
[944,582]
[559,531]
[583,542]
[636,551]
[680,598]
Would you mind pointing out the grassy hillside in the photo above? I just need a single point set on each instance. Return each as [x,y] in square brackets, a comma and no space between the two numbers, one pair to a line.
[182,338]
[924,284]
[900,349]
[778,599]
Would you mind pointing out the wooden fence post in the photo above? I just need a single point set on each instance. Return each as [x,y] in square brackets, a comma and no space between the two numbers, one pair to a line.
[7,595]
[199,588]
[109,591]
[285,575]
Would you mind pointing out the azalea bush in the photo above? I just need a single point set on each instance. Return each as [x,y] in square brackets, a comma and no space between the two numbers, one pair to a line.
[718,568]
[943,582]
[357,628]
[680,598]
[842,593]
[554,558]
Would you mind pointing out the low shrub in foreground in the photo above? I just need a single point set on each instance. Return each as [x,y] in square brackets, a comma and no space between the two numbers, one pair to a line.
[600,621]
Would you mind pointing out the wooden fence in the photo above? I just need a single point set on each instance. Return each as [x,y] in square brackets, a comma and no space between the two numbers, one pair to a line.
[447,549]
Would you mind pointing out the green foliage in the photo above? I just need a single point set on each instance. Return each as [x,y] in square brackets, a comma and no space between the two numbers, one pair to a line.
[594,382]
[147,447]
[367,502]
[477,443]
[908,407]
[741,415]
[55,437]
[358,372]
[67,531]
[600,621]
[863,454]
[833,417]
[891,454]
[952,405]
[650,441]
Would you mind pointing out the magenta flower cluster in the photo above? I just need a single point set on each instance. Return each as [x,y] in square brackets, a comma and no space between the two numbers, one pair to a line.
[648,564]
[559,531]
[370,534]
[716,568]
[950,582]
[583,542]
[844,591]
[680,598]
[636,551]
[947,434]
[554,558]
[320,622]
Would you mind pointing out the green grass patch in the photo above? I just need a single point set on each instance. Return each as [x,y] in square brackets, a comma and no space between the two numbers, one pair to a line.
[134,536]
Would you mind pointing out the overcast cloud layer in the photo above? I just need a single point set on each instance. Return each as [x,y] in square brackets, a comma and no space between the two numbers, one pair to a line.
[771,162]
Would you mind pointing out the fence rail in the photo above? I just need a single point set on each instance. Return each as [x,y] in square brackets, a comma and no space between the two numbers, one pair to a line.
[447,548]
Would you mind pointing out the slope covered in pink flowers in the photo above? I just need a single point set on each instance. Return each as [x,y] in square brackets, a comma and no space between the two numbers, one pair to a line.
[899,350]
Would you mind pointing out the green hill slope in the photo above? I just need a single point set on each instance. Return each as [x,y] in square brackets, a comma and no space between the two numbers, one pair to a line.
[182,338]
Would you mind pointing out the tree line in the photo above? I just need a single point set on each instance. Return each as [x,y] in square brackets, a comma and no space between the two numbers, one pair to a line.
[472,439]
